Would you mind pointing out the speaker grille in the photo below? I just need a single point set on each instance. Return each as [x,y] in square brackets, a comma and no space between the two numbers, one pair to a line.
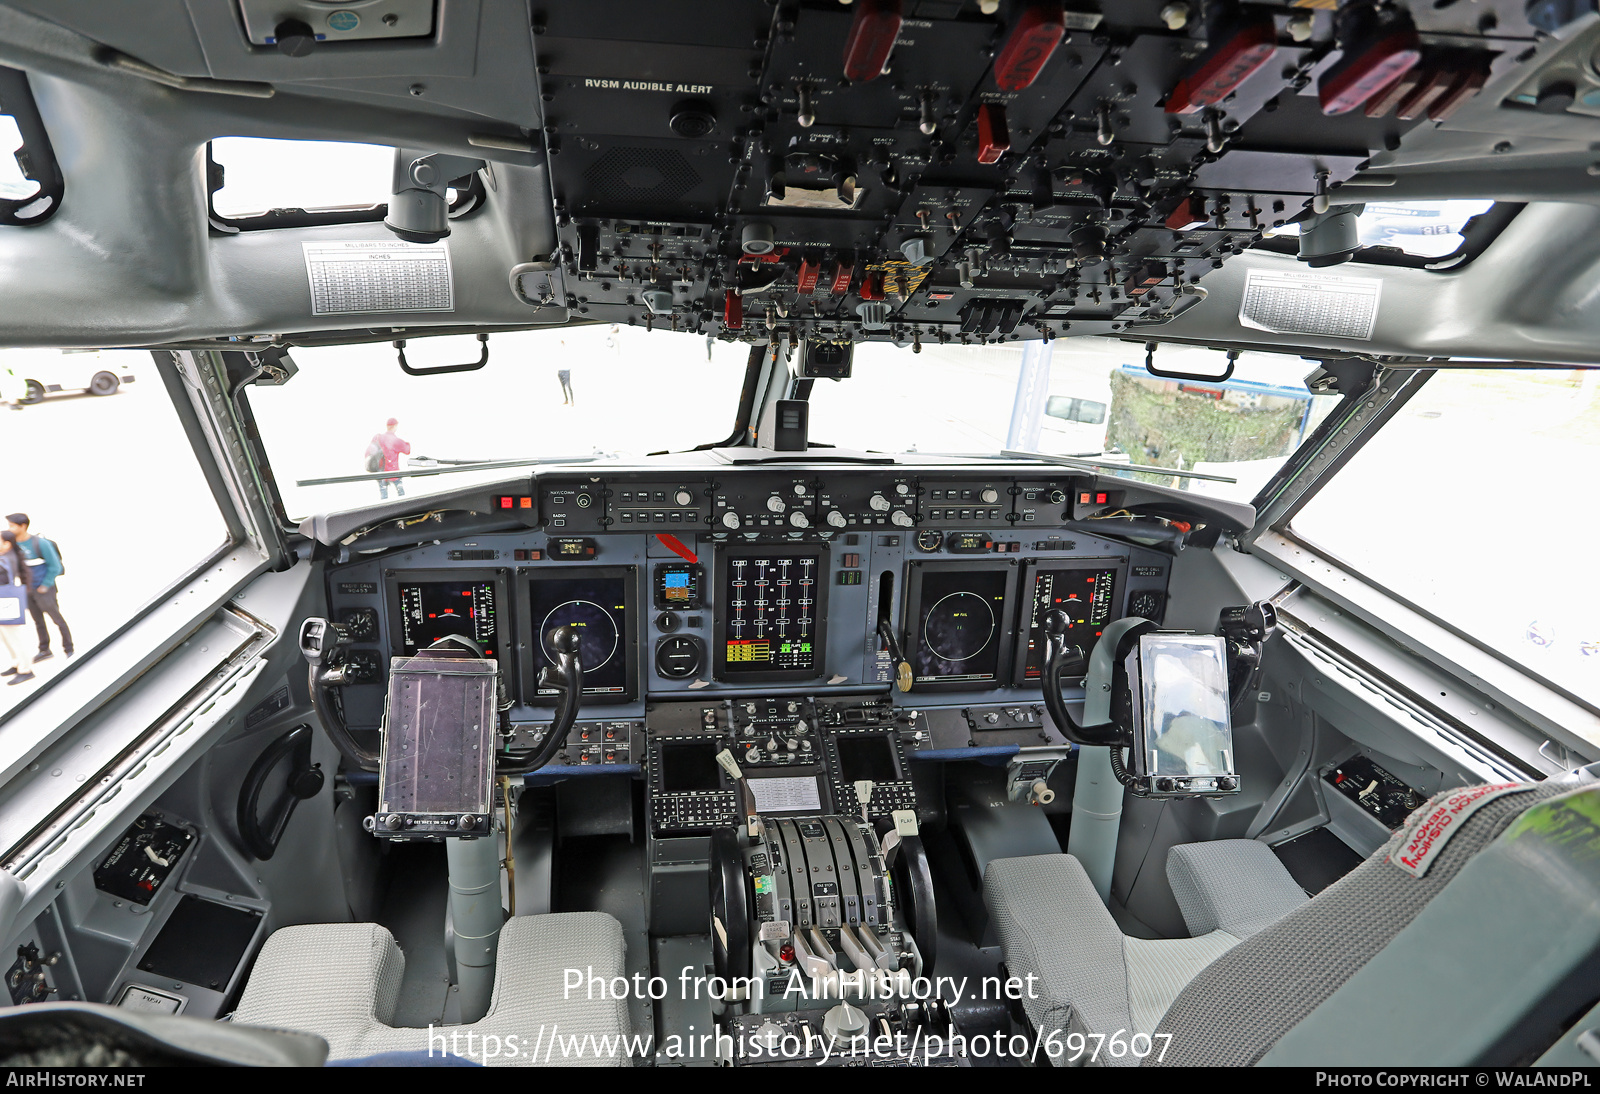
[642,174]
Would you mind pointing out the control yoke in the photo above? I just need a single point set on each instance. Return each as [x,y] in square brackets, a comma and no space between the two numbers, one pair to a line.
[566,676]
[1166,696]
[1064,660]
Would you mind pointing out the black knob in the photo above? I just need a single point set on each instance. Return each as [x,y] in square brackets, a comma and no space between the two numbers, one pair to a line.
[564,639]
[1555,98]
[1164,785]
[1056,622]
[667,622]
[295,39]
[1227,782]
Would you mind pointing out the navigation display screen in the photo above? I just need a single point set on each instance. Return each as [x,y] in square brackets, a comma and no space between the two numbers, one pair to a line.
[690,765]
[769,618]
[958,622]
[598,604]
[1086,594]
[431,610]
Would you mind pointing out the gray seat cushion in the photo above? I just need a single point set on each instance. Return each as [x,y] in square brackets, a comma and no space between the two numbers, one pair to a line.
[1233,885]
[1088,977]
[340,981]
[1247,999]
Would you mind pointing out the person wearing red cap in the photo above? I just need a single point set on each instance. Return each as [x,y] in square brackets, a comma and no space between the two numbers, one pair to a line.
[391,448]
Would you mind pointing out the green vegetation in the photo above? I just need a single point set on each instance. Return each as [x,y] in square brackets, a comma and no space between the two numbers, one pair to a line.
[1159,427]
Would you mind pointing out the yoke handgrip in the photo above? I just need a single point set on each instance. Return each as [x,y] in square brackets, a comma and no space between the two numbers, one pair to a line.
[566,676]
[1061,660]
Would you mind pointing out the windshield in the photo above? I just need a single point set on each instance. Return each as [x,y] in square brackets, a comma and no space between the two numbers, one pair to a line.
[568,393]
[1087,397]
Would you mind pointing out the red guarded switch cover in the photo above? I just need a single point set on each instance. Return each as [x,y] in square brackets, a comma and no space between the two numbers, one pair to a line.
[1224,67]
[871,39]
[1034,37]
[993,136]
[1367,69]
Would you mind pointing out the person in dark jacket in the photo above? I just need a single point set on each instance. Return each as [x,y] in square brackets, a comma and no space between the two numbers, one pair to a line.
[13,571]
[44,566]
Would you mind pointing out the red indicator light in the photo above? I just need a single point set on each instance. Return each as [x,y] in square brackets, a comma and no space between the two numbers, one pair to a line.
[1037,33]
[994,139]
[505,503]
[806,281]
[1223,68]
[1100,499]
[841,278]
[733,311]
[1366,71]
[1084,499]
[526,503]
[872,33]
[467,593]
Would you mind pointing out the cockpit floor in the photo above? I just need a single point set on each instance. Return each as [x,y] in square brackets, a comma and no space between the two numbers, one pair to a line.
[413,911]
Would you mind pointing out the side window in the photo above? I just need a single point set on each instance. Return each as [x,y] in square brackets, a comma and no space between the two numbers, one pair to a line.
[118,509]
[1476,504]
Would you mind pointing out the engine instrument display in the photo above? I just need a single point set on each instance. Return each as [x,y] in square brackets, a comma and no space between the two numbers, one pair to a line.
[431,610]
[598,602]
[769,619]
[959,621]
[1085,593]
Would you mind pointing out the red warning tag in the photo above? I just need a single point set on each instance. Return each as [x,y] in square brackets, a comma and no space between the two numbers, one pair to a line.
[1433,826]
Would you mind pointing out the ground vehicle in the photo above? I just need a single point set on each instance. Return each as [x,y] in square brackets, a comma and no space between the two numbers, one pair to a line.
[1021,173]
[40,373]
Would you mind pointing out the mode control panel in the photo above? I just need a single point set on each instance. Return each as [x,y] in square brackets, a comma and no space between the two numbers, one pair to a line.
[662,506]
[851,504]
[765,503]
[967,504]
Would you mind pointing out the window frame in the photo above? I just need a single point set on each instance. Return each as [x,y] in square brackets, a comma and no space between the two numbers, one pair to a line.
[468,199]
[1504,684]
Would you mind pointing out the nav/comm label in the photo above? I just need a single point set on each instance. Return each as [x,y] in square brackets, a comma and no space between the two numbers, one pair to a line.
[350,276]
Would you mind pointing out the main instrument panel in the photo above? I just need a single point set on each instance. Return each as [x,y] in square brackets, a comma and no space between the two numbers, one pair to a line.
[752,582]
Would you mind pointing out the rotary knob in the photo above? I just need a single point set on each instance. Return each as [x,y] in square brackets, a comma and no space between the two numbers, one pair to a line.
[989,495]
[775,504]
[799,489]
[752,755]
[836,518]
[683,497]
[878,502]
[730,520]
[901,488]
[799,519]
[901,518]
[1058,496]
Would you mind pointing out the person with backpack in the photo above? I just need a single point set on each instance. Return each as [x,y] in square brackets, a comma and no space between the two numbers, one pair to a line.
[383,454]
[43,560]
[13,575]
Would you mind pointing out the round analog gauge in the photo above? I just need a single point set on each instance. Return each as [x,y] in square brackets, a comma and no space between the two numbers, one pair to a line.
[929,540]
[1146,605]
[960,625]
[597,632]
[678,657]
